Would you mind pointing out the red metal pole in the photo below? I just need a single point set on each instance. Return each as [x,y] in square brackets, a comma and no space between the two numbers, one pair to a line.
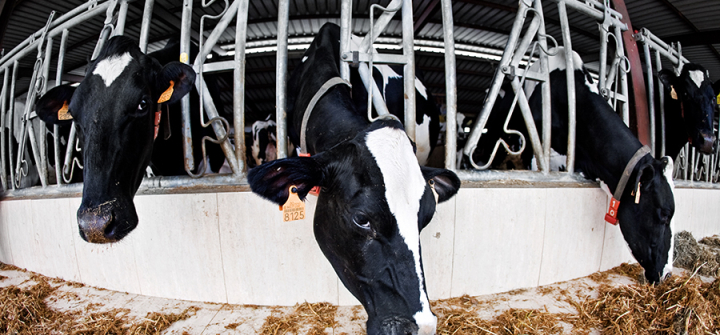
[640,108]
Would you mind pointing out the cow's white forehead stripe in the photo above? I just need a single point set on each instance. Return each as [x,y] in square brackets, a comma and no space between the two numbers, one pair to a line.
[110,68]
[667,172]
[404,186]
[697,77]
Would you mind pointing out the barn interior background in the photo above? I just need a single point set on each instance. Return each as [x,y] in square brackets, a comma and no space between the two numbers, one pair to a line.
[219,208]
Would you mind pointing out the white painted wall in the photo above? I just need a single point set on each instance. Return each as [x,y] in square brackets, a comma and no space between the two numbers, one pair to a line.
[234,247]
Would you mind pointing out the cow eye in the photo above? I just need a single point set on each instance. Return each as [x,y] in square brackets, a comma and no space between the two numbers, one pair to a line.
[142,105]
[361,220]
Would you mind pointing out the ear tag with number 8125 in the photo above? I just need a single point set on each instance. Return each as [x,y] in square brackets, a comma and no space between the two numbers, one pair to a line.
[294,208]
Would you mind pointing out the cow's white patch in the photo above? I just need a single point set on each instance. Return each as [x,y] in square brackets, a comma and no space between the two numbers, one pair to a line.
[697,77]
[422,140]
[667,172]
[591,85]
[304,59]
[404,186]
[110,68]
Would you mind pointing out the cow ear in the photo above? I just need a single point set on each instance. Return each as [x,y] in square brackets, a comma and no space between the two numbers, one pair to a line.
[175,80]
[645,174]
[445,182]
[667,77]
[272,180]
[53,105]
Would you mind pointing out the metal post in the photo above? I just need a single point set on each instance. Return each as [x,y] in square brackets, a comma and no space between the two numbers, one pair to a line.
[345,31]
[450,86]
[56,128]
[122,15]
[643,121]
[409,75]
[570,75]
[11,121]
[239,86]
[281,77]
[3,131]
[661,97]
[145,26]
[185,102]
[651,95]
[603,60]
[545,91]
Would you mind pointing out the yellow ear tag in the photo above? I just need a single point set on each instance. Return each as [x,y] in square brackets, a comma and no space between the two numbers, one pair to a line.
[718,99]
[294,208]
[62,113]
[167,94]
[673,94]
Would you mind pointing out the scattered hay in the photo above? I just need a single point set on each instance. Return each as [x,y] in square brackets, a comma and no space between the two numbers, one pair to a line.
[3,277]
[318,317]
[155,323]
[233,325]
[680,305]
[23,310]
[465,320]
[692,255]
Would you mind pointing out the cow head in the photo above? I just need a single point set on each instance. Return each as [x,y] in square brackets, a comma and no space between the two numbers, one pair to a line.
[374,202]
[114,110]
[647,224]
[693,89]
[263,142]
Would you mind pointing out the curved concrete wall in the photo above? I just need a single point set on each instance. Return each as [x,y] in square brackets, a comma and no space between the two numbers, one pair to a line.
[234,248]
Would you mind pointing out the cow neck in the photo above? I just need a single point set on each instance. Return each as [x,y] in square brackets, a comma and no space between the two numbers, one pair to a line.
[639,154]
[308,110]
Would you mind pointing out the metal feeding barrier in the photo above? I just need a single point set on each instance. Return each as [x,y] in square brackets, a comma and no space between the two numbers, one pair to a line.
[15,159]
[690,165]
[524,48]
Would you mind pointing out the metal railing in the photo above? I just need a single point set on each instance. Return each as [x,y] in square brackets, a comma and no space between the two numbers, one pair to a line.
[514,67]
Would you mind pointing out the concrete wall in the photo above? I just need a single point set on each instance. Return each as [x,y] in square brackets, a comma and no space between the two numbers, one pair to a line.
[234,248]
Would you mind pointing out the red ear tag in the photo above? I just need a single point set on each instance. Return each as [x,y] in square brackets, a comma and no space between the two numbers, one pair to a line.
[611,215]
[157,122]
[316,189]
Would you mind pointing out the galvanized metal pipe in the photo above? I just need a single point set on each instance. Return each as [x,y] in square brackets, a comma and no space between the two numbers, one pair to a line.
[106,31]
[545,91]
[122,16]
[570,77]
[11,121]
[42,141]
[651,96]
[450,86]
[145,25]
[212,39]
[345,31]
[661,96]
[281,78]
[479,125]
[239,86]
[56,128]
[603,60]
[3,131]
[409,73]
[185,101]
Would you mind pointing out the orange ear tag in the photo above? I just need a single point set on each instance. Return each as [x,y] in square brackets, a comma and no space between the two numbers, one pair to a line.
[316,189]
[673,94]
[294,208]
[165,96]
[62,113]
[611,215]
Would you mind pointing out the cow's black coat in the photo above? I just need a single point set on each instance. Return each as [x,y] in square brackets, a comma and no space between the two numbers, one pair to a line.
[353,223]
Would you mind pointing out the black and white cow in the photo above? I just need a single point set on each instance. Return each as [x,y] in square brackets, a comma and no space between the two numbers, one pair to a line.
[114,109]
[263,148]
[690,105]
[391,84]
[604,145]
[375,197]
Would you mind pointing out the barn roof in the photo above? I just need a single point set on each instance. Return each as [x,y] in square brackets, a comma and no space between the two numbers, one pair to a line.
[482,24]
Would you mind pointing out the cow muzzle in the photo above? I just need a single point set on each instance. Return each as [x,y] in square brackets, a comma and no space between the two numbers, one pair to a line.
[707,142]
[98,225]
[400,326]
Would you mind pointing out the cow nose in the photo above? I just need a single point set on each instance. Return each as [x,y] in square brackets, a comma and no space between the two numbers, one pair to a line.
[97,225]
[707,143]
[399,326]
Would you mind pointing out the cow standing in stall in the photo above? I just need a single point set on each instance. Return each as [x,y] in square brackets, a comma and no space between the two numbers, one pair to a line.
[607,149]
[116,109]
[690,106]
[375,197]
